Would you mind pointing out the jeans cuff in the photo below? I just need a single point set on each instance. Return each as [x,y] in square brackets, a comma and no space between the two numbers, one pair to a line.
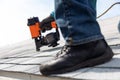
[83,41]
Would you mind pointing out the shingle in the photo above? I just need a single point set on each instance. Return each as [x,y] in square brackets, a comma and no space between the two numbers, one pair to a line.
[23,57]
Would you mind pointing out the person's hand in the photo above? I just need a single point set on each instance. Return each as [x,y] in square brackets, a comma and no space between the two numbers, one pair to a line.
[46,23]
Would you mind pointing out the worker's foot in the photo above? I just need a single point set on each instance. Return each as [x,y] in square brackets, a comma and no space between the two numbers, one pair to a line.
[71,58]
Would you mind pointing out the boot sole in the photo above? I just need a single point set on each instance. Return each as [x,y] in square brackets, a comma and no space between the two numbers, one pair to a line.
[107,56]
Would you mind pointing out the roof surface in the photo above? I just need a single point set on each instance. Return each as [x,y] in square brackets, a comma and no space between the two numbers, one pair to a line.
[21,60]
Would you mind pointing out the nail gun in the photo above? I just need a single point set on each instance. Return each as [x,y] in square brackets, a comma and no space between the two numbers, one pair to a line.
[50,39]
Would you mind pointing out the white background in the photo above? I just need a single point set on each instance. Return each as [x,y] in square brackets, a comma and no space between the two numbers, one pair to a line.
[14,15]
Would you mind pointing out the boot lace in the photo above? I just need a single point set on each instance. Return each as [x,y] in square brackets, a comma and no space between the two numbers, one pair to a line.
[65,49]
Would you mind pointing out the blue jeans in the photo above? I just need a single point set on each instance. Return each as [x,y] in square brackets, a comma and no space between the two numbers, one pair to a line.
[77,21]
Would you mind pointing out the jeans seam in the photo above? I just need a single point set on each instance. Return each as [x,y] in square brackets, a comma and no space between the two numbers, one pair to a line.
[67,17]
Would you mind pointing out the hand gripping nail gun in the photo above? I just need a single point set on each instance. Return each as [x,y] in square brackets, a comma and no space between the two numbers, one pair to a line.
[50,39]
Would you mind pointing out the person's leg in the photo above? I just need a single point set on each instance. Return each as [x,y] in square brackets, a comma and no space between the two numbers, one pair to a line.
[77,21]
[85,45]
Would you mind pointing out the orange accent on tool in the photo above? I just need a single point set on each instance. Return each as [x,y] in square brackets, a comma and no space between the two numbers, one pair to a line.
[53,24]
[34,29]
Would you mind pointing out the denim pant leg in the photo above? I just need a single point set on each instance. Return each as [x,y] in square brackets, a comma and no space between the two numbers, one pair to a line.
[77,21]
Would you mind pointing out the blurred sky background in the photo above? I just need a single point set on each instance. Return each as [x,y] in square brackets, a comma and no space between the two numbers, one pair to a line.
[14,15]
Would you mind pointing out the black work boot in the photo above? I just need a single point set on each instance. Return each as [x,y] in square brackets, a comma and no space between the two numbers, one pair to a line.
[71,58]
